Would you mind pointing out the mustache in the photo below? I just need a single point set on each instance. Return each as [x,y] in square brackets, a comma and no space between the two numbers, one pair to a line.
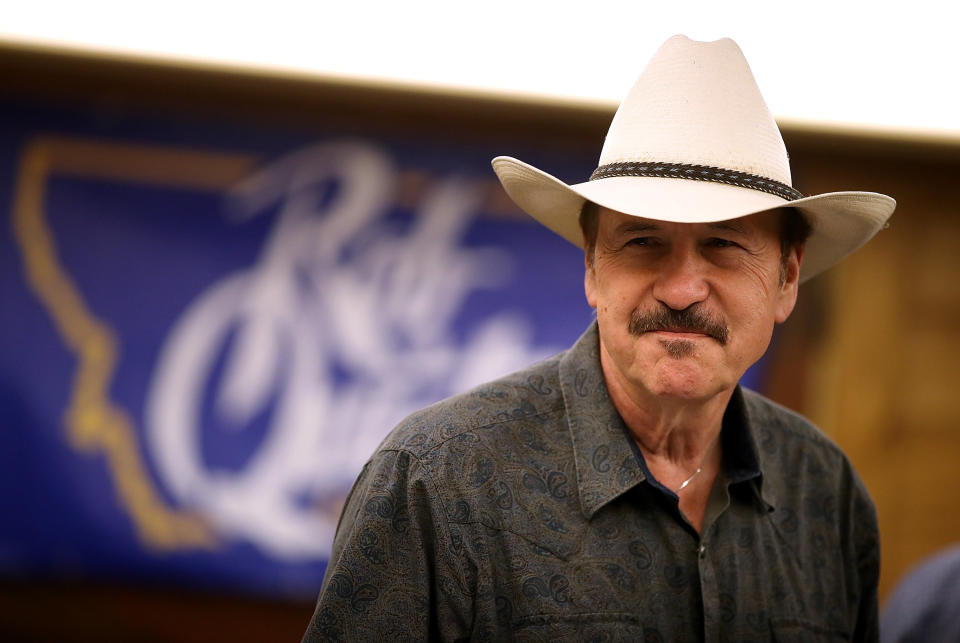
[692,319]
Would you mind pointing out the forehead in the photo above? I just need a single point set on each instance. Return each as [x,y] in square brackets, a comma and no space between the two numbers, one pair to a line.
[760,223]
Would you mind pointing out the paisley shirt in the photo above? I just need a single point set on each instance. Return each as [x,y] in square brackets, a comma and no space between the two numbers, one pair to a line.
[521,511]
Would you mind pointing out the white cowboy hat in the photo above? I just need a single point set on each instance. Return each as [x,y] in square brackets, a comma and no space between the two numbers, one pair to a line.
[694,142]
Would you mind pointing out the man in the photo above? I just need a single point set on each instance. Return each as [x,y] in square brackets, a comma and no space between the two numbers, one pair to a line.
[629,489]
[925,605]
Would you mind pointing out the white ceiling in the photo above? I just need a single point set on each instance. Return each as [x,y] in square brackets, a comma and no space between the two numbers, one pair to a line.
[876,64]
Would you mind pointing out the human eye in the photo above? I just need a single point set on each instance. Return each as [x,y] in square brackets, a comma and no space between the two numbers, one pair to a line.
[643,242]
[720,242]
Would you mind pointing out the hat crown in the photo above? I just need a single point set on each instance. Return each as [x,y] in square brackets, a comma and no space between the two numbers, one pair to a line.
[698,103]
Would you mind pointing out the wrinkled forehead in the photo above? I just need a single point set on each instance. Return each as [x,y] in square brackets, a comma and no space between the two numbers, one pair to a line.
[761,222]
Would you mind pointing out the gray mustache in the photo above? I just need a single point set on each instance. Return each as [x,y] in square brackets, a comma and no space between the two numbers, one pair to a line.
[691,319]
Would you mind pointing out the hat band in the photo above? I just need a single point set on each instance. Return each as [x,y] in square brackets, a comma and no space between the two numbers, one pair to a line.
[697,173]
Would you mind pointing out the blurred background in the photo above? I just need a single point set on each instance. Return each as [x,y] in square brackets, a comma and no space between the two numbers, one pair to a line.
[240,243]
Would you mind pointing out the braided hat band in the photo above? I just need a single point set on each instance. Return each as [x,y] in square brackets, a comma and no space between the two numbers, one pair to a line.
[697,173]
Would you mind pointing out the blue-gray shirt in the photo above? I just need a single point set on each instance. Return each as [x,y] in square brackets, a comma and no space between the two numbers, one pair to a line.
[521,511]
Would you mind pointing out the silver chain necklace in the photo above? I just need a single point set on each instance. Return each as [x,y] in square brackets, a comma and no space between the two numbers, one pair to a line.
[700,468]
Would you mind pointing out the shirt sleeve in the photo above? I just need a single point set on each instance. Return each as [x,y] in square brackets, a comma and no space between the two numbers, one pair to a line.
[393,574]
[866,540]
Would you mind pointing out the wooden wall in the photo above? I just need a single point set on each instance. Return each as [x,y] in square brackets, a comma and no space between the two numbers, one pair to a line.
[878,340]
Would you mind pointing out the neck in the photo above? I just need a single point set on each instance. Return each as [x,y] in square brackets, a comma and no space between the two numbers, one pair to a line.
[675,430]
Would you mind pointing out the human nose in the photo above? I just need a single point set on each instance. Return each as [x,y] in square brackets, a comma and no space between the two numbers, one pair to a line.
[682,280]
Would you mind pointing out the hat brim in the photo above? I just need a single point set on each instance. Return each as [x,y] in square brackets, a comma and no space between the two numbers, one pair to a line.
[841,221]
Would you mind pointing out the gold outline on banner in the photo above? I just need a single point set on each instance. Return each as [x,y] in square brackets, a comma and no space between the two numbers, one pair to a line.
[94,422]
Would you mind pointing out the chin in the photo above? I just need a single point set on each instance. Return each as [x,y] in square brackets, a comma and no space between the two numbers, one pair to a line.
[683,378]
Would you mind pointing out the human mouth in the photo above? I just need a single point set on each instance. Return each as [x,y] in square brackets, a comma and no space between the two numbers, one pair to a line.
[680,333]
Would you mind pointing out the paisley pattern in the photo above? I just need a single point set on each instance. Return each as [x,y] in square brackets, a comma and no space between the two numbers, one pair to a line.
[520,511]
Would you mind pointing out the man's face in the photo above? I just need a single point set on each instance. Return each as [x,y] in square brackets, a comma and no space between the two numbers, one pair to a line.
[685,308]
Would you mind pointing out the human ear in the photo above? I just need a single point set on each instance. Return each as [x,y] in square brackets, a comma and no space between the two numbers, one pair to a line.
[589,281]
[788,289]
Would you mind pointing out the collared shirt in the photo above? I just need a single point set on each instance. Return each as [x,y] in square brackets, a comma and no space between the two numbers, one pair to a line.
[522,511]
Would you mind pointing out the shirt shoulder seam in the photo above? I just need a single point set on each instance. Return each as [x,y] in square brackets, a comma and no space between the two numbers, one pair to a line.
[450,521]
[447,521]
[470,427]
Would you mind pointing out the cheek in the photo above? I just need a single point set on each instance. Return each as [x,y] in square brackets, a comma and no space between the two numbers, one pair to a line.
[755,292]
[761,276]
[752,305]
[620,305]
[613,287]
[752,328]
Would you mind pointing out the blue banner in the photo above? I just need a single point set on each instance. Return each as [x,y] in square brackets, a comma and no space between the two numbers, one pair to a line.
[209,327]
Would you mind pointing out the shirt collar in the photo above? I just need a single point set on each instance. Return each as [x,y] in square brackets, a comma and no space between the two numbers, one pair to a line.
[742,460]
[606,464]
[761,426]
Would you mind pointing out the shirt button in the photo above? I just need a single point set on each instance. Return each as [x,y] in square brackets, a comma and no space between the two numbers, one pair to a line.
[702,551]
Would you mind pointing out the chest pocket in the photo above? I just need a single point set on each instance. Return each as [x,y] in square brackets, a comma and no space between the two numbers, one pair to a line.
[605,627]
[800,631]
